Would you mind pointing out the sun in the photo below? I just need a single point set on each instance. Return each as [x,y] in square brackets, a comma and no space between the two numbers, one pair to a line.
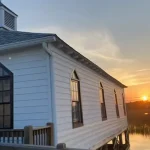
[144,98]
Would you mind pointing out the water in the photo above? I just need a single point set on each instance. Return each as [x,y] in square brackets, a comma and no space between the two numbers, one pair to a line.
[139,142]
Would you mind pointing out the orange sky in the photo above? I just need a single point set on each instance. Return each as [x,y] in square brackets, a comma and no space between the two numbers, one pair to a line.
[136,92]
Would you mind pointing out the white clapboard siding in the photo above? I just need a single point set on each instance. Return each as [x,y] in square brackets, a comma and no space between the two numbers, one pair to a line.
[31,87]
[94,130]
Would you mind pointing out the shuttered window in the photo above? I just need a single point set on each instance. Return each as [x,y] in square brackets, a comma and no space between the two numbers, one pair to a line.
[77,119]
[6,98]
[9,20]
[102,102]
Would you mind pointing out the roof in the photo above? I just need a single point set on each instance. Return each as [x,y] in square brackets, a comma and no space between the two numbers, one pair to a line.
[15,37]
[1,4]
[7,37]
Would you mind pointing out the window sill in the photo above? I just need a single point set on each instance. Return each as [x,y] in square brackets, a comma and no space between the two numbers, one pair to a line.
[77,125]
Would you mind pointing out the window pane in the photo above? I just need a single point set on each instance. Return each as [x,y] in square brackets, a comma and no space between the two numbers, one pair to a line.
[1,97]
[6,96]
[6,84]
[117,110]
[1,110]
[101,96]
[5,73]
[103,110]
[116,99]
[7,122]
[77,96]
[1,85]
[74,91]
[73,86]
[74,76]
[7,109]
[72,95]
[76,86]
[1,122]
[75,112]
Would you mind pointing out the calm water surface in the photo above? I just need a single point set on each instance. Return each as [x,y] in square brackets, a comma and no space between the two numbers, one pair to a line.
[139,142]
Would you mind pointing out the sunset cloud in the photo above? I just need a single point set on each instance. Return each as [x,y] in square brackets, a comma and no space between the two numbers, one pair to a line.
[143,70]
[93,44]
[100,47]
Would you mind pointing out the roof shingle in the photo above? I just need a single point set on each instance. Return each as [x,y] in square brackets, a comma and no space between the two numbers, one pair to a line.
[7,37]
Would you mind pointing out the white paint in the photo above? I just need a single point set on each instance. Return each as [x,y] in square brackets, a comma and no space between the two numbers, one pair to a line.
[95,132]
[42,94]
[32,93]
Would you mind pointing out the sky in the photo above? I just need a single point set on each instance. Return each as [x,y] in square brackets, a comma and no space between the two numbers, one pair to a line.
[113,34]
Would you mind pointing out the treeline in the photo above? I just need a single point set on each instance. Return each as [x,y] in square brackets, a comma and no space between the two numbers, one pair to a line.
[138,113]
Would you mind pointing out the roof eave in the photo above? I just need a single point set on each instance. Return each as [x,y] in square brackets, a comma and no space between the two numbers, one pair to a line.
[26,43]
[5,7]
[79,57]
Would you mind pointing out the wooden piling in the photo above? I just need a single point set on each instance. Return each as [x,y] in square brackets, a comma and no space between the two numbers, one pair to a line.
[120,139]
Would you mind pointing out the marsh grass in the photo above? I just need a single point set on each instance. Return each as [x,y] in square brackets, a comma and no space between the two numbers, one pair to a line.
[143,129]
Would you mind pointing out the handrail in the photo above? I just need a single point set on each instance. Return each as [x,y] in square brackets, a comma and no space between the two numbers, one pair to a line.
[11,130]
[28,135]
[40,128]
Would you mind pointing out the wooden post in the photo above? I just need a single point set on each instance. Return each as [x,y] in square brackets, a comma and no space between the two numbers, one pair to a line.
[127,142]
[120,139]
[28,135]
[106,147]
[128,138]
[113,141]
[101,148]
[125,134]
[61,146]
[50,137]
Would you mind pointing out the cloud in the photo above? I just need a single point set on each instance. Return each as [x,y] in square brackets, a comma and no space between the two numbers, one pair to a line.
[143,70]
[93,44]
[99,46]
[130,77]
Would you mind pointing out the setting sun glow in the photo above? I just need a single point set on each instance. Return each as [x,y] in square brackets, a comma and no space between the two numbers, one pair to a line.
[144,98]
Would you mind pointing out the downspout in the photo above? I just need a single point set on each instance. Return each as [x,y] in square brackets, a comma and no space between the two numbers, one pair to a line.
[46,47]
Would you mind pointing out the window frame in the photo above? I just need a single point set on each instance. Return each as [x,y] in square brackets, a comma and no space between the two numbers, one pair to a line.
[116,104]
[10,77]
[124,105]
[101,91]
[77,80]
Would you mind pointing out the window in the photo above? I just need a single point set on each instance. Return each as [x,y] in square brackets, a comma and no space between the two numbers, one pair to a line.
[102,101]
[77,118]
[116,103]
[6,98]
[124,107]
